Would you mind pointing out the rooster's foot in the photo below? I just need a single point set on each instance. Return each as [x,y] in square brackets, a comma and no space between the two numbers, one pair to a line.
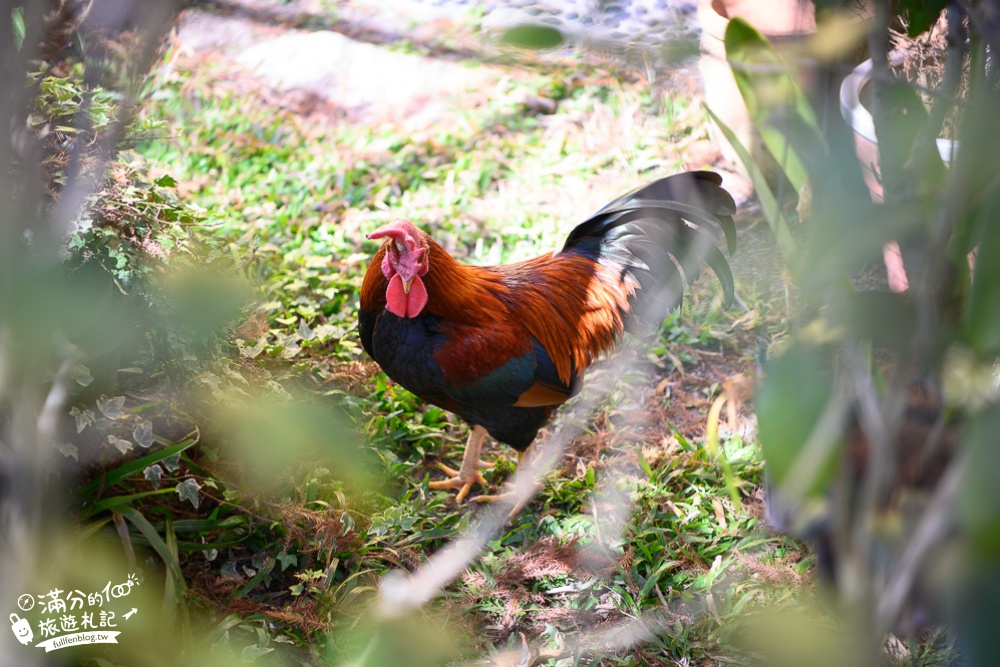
[457,481]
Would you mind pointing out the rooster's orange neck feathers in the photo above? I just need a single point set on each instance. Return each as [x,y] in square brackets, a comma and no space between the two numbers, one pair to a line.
[453,291]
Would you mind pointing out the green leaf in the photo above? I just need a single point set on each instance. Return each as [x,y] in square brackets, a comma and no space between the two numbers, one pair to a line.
[287,560]
[173,462]
[115,502]
[982,317]
[532,37]
[82,376]
[69,450]
[979,503]
[122,445]
[252,652]
[84,418]
[188,490]
[113,408]
[768,202]
[17,26]
[143,434]
[773,98]
[645,465]
[156,542]
[153,474]
[794,396]
[304,331]
[921,14]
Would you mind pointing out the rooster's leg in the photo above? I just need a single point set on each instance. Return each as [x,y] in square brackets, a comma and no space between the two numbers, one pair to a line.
[511,496]
[468,474]
[451,472]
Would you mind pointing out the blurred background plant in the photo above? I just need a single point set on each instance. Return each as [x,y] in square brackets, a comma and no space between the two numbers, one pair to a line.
[877,412]
[117,307]
[73,287]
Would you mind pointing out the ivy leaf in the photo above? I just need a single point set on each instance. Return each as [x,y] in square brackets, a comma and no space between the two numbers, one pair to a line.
[305,331]
[188,490]
[17,25]
[84,418]
[229,571]
[173,462]
[69,450]
[286,560]
[153,475]
[254,352]
[348,522]
[291,349]
[143,434]
[123,446]
[82,376]
[212,380]
[113,408]
[326,331]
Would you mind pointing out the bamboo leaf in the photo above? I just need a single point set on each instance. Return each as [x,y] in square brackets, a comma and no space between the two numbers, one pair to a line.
[773,97]
[768,202]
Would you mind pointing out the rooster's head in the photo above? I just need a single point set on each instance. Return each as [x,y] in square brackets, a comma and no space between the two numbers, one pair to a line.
[404,263]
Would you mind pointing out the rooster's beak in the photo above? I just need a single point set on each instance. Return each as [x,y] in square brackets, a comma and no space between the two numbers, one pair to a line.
[406,286]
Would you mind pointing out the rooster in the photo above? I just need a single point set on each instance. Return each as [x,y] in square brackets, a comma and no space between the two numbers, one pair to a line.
[503,346]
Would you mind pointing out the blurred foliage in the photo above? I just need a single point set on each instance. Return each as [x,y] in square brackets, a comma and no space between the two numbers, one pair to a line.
[857,408]
[532,37]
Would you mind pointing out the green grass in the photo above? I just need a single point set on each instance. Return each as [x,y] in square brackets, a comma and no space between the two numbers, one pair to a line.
[635,525]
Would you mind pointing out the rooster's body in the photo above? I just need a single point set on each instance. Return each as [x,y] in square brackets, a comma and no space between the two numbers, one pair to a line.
[503,346]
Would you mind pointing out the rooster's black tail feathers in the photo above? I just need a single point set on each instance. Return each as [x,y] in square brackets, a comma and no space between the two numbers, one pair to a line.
[659,234]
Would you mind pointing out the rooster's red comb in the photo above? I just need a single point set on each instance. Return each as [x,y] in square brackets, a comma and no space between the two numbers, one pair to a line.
[399,230]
